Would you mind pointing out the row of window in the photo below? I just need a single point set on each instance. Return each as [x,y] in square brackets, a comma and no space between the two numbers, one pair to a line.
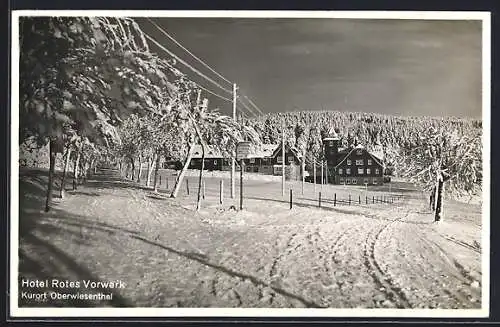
[360,162]
[278,159]
[206,162]
[354,181]
[264,160]
[361,171]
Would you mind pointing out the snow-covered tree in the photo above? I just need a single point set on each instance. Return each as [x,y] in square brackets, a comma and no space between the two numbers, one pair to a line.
[439,155]
[86,73]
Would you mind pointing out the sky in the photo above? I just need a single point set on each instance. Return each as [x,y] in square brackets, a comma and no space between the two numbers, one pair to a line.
[397,67]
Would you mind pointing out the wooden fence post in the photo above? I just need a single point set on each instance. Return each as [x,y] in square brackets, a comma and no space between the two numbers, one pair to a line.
[291,199]
[221,191]
[366,199]
[334,199]
[373,199]
[319,199]
[359,199]
[166,182]
[160,179]
[203,184]
[187,186]
[349,199]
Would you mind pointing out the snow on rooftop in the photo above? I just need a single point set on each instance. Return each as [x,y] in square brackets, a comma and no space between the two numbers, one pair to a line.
[378,154]
[211,152]
[265,150]
[331,135]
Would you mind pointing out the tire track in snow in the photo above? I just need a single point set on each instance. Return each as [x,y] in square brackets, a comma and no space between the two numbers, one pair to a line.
[330,264]
[335,245]
[432,252]
[380,278]
[454,268]
[273,272]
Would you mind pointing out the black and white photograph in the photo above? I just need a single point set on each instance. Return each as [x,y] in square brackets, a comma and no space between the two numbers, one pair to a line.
[250,163]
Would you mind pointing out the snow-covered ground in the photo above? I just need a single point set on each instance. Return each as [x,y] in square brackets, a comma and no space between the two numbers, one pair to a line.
[375,255]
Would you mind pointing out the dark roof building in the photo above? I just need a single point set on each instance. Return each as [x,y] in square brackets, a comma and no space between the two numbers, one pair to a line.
[351,165]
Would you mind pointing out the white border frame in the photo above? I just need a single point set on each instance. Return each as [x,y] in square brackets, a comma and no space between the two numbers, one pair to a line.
[17,312]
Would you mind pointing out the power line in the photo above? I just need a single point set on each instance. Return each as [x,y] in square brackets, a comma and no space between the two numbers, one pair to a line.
[224,98]
[180,45]
[253,104]
[247,108]
[185,63]
[213,93]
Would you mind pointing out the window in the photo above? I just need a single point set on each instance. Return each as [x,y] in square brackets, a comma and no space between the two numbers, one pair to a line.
[359,162]
[340,171]
[374,181]
[366,181]
[348,171]
[370,162]
[290,159]
[376,171]
[354,181]
[349,162]
[360,171]
[330,143]
[215,162]
[342,181]
[252,160]
[348,181]
[368,171]
[279,159]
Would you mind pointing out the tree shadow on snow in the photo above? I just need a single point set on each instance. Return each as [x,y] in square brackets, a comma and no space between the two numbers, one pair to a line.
[254,280]
[41,259]
[112,181]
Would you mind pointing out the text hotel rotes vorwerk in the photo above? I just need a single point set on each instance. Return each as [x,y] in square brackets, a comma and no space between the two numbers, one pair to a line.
[44,290]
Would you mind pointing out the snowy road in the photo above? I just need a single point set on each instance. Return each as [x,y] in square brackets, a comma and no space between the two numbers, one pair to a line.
[265,256]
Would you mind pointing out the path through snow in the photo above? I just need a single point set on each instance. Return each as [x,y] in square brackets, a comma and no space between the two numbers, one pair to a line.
[263,256]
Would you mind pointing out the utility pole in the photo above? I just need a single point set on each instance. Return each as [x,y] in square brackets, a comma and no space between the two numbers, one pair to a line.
[326,172]
[314,173]
[283,160]
[322,176]
[303,164]
[233,160]
[242,165]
